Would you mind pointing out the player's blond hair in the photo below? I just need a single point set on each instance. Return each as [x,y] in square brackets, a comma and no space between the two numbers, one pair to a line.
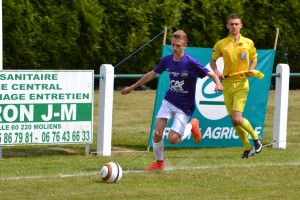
[180,34]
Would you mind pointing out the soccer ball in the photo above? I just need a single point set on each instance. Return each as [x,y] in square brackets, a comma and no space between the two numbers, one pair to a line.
[111,172]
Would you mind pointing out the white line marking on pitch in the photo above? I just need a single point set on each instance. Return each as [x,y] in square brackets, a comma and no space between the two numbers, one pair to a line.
[142,171]
[249,165]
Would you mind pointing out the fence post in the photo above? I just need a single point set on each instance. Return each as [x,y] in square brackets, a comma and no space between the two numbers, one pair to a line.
[105,108]
[281,106]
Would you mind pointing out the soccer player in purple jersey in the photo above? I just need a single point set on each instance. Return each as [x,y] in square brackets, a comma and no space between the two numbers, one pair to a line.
[179,99]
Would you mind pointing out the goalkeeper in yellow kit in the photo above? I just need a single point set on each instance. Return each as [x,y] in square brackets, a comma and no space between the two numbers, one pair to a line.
[237,52]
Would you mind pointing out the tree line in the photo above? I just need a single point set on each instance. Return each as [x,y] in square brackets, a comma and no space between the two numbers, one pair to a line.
[84,34]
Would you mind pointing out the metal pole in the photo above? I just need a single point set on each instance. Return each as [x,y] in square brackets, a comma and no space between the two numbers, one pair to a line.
[165,36]
[87,149]
[276,38]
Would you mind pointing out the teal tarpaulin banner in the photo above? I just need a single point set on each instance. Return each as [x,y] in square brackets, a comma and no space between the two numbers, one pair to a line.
[216,127]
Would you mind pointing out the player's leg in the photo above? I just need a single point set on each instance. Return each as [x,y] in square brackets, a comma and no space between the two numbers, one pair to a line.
[242,129]
[194,127]
[178,127]
[162,118]
[239,98]
[158,145]
[237,118]
[245,124]
[187,131]
[242,133]
[230,89]
[257,141]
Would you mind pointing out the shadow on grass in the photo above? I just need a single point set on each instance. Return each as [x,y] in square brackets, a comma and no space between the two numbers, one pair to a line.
[35,151]
[128,147]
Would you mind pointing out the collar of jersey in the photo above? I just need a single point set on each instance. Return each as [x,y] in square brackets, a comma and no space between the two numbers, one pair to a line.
[231,38]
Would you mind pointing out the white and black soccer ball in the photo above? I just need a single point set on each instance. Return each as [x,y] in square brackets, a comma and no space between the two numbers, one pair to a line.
[111,172]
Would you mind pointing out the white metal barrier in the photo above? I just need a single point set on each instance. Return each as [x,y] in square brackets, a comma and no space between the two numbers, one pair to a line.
[281,106]
[106,85]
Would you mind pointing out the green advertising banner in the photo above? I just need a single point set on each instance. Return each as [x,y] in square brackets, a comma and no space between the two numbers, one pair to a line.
[216,127]
[46,107]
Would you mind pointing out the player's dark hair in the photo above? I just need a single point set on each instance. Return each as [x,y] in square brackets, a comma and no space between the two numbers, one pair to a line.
[233,16]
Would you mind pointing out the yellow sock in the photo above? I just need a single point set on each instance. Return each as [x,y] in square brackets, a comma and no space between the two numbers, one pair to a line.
[243,137]
[247,127]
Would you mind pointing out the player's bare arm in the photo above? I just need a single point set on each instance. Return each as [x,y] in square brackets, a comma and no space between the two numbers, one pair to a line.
[145,79]
[215,78]
[253,65]
[213,66]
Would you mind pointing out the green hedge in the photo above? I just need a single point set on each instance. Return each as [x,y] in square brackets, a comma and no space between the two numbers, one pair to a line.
[83,34]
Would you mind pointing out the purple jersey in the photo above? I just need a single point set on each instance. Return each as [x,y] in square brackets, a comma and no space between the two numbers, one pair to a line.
[183,78]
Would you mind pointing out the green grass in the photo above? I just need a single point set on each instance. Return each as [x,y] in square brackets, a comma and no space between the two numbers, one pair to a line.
[64,172]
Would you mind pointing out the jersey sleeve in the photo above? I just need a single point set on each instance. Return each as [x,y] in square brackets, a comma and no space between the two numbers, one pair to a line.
[200,70]
[161,67]
[216,51]
[252,52]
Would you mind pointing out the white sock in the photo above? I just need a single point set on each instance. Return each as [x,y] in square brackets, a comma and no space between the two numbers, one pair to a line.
[187,131]
[158,149]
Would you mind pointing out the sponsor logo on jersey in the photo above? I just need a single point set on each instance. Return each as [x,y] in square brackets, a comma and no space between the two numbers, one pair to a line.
[176,86]
[184,74]
[243,55]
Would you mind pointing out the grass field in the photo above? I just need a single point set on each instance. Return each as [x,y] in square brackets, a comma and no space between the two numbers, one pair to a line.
[64,172]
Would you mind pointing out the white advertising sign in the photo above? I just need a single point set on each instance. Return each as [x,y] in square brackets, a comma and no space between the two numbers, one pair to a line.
[46,107]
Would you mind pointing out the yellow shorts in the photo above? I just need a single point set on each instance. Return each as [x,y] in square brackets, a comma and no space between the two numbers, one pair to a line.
[235,94]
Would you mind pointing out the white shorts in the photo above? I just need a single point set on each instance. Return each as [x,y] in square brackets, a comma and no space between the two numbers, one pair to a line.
[168,111]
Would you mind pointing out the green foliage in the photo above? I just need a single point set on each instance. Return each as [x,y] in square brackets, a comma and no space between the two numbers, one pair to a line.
[41,38]
[85,34]
[92,31]
[131,24]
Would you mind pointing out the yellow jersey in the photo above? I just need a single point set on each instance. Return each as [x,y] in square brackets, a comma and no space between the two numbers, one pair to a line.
[236,57]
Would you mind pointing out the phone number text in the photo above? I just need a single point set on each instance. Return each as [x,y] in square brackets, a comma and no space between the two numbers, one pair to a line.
[27,137]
